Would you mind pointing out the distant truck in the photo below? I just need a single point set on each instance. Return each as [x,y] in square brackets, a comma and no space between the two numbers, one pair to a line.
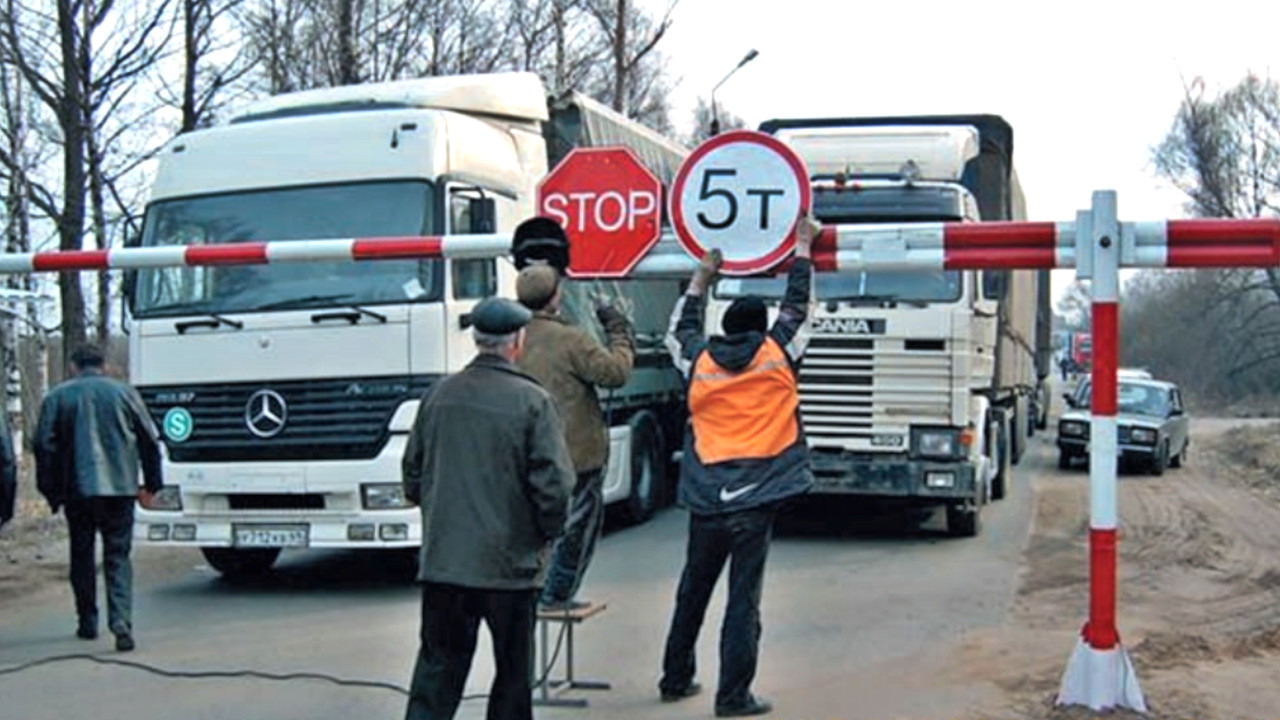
[919,387]
[285,392]
[1081,352]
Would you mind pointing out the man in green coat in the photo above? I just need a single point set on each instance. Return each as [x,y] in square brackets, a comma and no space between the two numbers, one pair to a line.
[487,464]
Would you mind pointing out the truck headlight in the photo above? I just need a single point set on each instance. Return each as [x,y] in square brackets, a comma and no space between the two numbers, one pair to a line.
[936,442]
[384,496]
[1071,429]
[1143,436]
[169,499]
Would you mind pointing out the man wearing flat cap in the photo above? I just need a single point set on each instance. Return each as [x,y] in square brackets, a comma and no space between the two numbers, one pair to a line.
[570,364]
[487,464]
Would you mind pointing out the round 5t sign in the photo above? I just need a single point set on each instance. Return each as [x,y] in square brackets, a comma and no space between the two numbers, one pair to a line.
[740,192]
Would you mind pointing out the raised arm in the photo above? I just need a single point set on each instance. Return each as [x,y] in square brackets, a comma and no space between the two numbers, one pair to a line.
[789,329]
[685,336]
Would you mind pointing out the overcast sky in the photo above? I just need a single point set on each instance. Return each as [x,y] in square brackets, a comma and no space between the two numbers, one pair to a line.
[1088,86]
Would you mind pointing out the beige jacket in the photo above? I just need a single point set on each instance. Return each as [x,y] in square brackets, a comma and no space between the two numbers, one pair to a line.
[570,363]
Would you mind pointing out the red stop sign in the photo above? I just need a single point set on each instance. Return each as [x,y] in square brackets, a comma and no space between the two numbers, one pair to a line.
[609,204]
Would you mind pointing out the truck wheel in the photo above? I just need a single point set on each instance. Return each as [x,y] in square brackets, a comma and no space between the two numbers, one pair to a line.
[964,519]
[1064,460]
[1018,428]
[646,468]
[236,563]
[1000,483]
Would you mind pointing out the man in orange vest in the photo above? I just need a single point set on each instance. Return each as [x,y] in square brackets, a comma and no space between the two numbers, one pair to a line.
[744,454]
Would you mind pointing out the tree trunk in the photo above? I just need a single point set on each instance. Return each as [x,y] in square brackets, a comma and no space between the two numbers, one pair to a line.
[71,223]
[97,197]
[348,63]
[190,56]
[620,58]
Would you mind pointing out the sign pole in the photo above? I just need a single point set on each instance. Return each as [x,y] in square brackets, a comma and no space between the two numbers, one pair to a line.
[1099,674]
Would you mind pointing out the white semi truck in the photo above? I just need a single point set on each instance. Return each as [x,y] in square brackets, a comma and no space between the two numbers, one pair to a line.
[919,388]
[285,392]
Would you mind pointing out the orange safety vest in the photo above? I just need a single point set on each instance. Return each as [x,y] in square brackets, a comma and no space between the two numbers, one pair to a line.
[744,415]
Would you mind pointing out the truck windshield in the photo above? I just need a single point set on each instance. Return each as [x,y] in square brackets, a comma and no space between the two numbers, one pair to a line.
[879,285]
[364,210]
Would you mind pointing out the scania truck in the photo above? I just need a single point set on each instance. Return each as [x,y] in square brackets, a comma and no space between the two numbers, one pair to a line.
[285,392]
[919,387]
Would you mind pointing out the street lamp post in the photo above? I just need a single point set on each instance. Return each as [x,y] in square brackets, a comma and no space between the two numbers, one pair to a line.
[715,116]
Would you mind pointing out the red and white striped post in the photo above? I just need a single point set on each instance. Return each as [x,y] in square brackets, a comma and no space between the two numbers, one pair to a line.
[1099,673]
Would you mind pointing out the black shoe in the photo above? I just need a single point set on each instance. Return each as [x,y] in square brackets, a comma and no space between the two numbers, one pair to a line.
[753,706]
[124,643]
[87,632]
[688,691]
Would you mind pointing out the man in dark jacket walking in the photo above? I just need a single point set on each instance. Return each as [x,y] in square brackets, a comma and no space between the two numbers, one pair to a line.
[93,435]
[487,464]
[8,471]
[570,363]
[745,453]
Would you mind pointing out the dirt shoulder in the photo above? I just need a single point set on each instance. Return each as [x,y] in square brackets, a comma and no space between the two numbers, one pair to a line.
[1199,604]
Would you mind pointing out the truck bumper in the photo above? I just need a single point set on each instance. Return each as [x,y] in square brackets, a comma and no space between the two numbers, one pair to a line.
[842,474]
[292,505]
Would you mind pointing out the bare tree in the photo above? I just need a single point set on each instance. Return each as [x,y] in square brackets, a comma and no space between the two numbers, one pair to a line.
[214,61]
[636,82]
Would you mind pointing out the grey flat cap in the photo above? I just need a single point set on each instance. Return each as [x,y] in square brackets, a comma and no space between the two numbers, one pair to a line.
[499,316]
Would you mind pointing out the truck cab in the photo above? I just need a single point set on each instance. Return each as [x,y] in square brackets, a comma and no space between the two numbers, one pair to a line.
[284,392]
[912,387]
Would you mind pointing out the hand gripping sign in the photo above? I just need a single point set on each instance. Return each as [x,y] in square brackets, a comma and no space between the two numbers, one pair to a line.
[740,192]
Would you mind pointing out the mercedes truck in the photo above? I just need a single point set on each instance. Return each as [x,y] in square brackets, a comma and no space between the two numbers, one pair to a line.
[285,392]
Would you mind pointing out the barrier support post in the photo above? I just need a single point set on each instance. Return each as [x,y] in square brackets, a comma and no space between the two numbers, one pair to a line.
[1099,674]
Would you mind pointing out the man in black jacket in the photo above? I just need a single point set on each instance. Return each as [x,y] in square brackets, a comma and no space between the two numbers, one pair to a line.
[8,470]
[745,453]
[94,434]
[487,463]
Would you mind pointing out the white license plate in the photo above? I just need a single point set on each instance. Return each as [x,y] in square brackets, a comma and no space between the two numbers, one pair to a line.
[271,535]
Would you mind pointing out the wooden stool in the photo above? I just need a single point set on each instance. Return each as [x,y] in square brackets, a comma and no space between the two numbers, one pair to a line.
[549,689]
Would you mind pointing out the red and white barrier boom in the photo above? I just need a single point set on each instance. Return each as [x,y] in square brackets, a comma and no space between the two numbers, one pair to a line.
[1099,673]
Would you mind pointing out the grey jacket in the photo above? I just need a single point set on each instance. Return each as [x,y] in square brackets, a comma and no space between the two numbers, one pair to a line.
[93,436]
[488,465]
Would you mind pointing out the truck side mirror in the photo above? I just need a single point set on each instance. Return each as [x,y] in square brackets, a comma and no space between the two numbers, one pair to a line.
[995,284]
[483,212]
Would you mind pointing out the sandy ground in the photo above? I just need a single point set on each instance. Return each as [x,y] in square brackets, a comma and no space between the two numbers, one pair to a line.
[1199,599]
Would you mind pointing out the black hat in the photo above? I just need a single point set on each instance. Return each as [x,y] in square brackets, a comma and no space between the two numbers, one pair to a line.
[540,241]
[746,314]
[499,316]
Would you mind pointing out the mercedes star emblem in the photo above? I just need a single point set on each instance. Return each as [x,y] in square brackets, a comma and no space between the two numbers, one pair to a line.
[265,413]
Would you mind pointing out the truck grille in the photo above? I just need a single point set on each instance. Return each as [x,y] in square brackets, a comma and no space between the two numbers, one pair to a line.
[327,419]
[854,388]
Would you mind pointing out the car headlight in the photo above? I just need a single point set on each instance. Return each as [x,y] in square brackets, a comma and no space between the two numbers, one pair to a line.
[1072,429]
[169,499]
[384,496]
[1144,436]
[936,442]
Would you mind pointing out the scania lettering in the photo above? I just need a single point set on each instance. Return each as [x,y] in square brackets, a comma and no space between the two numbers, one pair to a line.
[285,392]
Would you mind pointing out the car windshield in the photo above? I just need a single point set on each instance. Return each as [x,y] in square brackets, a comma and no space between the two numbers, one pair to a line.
[878,285]
[1142,399]
[364,210]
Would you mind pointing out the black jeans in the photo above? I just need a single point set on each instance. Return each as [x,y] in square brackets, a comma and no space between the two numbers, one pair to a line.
[113,518]
[743,538]
[577,541]
[451,618]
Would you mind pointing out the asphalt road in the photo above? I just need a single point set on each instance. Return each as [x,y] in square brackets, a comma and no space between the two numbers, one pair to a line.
[847,605]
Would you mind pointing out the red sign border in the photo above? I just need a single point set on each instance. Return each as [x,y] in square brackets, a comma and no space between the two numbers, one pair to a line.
[689,242]
[657,229]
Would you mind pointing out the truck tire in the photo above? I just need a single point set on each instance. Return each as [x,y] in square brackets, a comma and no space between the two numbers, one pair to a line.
[1160,460]
[964,519]
[1004,472]
[1018,424]
[239,563]
[647,468]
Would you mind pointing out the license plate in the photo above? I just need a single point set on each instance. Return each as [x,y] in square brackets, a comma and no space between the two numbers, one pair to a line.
[271,535]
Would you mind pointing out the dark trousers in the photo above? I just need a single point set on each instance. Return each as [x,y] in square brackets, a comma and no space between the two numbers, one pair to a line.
[112,517]
[742,538]
[451,618]
[577,541]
